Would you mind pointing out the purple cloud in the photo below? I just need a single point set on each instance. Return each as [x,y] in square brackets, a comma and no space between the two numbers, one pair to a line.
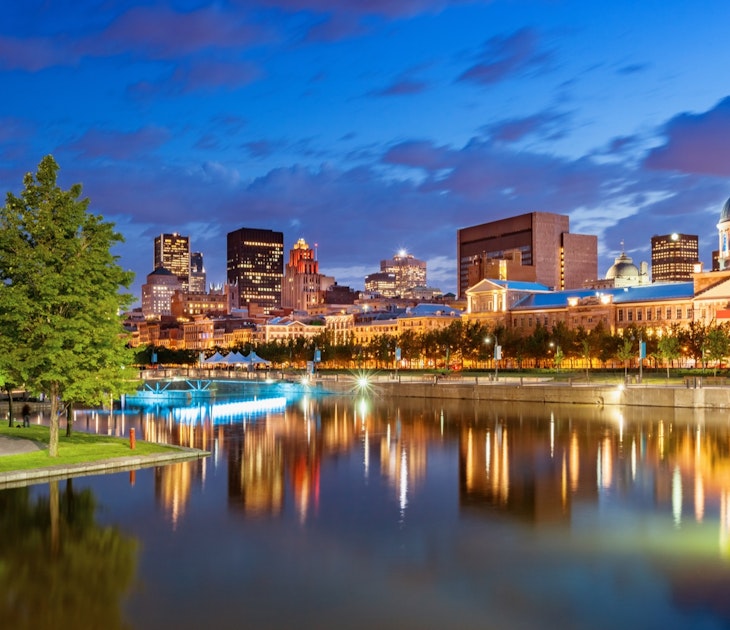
[162,33]
[118,145]
[515,129]
[506,55]
[695,143]
[419,154]
[402,87]
[211,74]
[388,8]
[33,54]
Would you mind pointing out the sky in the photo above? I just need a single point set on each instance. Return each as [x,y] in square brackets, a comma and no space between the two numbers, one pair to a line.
[372,126]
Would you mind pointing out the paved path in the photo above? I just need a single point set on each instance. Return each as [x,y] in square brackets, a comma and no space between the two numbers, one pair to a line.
[17,445]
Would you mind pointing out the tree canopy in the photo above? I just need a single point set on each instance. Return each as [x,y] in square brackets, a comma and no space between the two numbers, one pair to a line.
[61,296]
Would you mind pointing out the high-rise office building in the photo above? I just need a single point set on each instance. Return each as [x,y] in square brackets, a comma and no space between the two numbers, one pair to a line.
[397,276]
[409,271]
[197,273]
[303,286]
[172,252]
[255,263]
[550,254]
[673,257]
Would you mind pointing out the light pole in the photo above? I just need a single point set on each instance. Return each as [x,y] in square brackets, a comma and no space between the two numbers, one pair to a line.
[497,354]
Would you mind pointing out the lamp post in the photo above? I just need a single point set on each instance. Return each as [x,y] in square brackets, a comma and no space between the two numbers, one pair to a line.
[497,355]
[642,355]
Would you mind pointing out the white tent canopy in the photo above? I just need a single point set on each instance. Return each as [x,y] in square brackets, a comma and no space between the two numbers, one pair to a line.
[235,358]
[255,359]
[215,358]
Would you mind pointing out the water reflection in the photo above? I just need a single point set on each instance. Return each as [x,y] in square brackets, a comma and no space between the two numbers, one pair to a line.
[483,505]
[50,546]
[532,462]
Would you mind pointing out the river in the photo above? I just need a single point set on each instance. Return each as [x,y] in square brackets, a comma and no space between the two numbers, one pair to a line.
[363,512]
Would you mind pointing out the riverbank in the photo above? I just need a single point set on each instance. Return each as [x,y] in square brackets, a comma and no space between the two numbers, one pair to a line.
[24,459]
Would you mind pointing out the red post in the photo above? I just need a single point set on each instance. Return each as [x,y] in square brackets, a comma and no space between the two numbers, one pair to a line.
[132,439]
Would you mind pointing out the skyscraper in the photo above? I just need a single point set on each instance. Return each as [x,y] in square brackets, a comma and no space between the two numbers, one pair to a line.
[255,263]
[549,253]
[673,257]
[197,273]
[172,252]
[304,286]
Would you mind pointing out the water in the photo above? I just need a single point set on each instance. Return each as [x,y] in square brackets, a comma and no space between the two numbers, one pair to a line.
[344,513]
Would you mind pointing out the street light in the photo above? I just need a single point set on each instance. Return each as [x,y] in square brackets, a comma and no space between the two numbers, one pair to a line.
[497,354]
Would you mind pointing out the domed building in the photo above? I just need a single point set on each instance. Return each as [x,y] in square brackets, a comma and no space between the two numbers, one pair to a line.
[723,230]
[624,273]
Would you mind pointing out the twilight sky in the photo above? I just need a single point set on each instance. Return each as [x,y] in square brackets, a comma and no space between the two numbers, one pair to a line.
[367,126]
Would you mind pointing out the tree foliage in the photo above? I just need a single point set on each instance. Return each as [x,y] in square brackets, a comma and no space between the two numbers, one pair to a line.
[60,296]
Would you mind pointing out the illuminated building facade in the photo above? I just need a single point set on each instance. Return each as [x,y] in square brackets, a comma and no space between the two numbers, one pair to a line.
[674,257]
[380,283]
[409,272]
[172,252]
[255,263]
[157,292]
[550,254]
[197,273]
[304,287]
[216,302]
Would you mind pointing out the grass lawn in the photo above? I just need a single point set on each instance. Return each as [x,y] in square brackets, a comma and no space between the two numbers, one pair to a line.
[77,449]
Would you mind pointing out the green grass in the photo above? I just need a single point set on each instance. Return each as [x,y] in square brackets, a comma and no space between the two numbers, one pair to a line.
[79,448]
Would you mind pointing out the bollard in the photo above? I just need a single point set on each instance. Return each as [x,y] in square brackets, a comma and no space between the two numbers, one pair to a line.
[132,439]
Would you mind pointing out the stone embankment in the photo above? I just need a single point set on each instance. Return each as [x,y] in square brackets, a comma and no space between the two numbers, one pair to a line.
[534,390]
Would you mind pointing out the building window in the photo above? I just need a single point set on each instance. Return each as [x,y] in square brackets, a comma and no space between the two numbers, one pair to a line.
[648,314]
[639,314]
[690,314]
[620,314]
[629,315]
[679,312]
[669,313]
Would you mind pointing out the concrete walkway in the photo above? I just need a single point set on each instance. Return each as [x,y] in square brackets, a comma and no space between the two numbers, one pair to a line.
[17,445]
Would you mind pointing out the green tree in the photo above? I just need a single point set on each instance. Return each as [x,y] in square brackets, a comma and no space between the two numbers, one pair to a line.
[60,296]
[668,349]
[625,353]
[716,346]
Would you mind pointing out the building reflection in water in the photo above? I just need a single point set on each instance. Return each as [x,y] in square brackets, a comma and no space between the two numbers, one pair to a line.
[534,462]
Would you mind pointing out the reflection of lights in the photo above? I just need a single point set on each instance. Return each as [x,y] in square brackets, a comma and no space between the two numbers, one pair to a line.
[552,435]
[403,495]
[677,496]
[620,428]
[574,462]
[228,411]
[363,408]
[633,459]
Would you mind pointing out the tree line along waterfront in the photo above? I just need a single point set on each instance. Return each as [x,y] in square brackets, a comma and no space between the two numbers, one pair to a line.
[469,345]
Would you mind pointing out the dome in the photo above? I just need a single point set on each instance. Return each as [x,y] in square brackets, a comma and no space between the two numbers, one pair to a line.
[622,268]
[725,214]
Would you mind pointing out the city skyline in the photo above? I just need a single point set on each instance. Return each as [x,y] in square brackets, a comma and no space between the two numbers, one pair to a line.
[372,128]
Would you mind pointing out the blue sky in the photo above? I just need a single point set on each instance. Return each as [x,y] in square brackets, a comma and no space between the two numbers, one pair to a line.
[374,125]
